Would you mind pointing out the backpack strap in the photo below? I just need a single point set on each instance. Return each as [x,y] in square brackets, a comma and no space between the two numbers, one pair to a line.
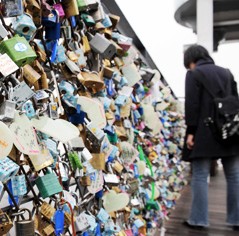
[228,88]
[207,86]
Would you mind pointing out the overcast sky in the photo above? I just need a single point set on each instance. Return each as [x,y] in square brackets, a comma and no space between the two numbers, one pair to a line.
[154,23]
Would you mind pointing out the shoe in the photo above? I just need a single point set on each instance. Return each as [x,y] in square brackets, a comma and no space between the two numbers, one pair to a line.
[196,227]
[235,227]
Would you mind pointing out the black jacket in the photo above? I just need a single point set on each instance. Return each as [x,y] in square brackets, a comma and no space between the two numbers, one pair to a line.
[198,106]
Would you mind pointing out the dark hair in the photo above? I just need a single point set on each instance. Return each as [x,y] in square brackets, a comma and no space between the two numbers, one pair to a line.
[195,53]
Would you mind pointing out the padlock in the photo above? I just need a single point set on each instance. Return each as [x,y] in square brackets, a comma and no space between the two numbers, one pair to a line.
[41,55]
[70,7]
[47,210]
[19,50]
[92,4]
[95,136]
[60,10]
[75,160]
[72,66]
[33,8]
[78,117]
[8,169]
[85,42]
[5,223]
[60,54]
[12,8]
[88,19]
[3,32]
[114,20]
[68,105]
[58,219]
[53,26]
[30,74]
[107,21]
[7,110]
[85,180]
[24,227]
[119,62]
[19,187]
[48,185]
[117,167]
[92,81]
[28,109]
[81,5]
[24,26]
[48,230]
[81,222]
[98,14]
[52,106]
[72,56]
[103,46]
[98,161]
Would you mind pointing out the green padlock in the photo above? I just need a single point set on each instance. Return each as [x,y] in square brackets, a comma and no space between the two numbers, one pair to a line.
[48,185]
[151,204]
[75,161]
[88,19]
[19,50]
[81,5]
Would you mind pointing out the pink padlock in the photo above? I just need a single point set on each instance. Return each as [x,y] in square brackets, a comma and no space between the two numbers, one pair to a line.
[58,7]
[141,125]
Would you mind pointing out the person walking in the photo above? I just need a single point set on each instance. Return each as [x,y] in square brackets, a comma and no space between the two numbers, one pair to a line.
[201,146]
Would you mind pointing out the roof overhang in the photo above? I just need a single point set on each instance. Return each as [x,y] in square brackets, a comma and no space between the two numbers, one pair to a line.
[226,19]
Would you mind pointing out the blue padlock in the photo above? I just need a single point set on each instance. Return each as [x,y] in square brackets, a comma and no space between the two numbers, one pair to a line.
[120,100]
[99,194]
[141,110]
[54,51]
[98,230]
[78,117]
[109,129]
[136,171]
[107,102]
[24,26]
[73,21]
[59,222]
[51,19]
[54,32]
[60,54]
[109,87]
[29,110]
[106,22]
[123,81]
[66,88]
[9,185]
[117,113]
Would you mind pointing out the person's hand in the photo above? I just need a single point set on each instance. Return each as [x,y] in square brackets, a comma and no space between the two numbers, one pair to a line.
[190,141]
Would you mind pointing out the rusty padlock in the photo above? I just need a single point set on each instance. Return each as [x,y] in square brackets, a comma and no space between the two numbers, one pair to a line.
[5,223]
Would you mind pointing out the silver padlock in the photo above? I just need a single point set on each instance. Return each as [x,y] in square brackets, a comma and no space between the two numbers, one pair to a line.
[103,46]
[7,109]
[24,227]
[99,14]
[94,134]
[3,32]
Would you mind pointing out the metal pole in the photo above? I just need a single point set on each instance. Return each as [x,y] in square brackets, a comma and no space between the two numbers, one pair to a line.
[205,24]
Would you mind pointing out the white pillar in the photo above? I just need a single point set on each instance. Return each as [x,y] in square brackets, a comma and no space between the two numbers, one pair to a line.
[205,24]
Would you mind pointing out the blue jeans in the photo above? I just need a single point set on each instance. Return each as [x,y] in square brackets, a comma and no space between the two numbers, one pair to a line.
[199,188]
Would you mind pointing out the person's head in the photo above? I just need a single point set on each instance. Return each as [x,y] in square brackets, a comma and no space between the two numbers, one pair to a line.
[193,54]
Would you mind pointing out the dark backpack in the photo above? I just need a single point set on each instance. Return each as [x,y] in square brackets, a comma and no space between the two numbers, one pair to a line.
[224,119]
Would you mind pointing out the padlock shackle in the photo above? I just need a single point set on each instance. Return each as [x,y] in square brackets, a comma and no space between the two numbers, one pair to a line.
[21,212]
